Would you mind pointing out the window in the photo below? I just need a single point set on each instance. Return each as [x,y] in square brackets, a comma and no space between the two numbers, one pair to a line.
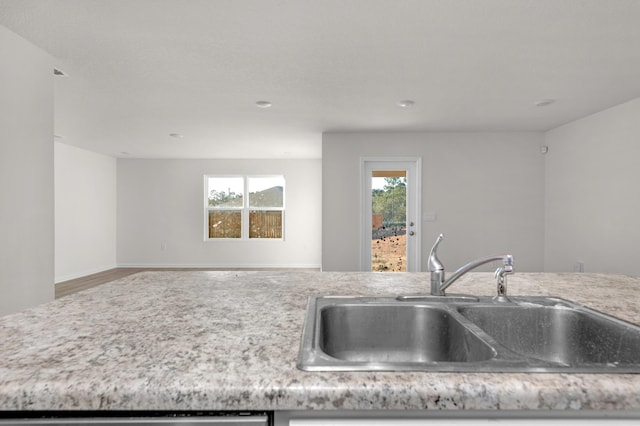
[244,207]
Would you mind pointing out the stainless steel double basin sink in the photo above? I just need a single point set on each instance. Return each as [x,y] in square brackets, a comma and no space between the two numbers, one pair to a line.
[465,334]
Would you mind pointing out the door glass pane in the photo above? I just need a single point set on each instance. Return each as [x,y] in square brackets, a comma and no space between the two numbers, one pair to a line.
[389,221]
[225,224]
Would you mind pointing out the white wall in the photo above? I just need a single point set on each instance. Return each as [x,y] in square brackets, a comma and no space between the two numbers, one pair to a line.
[486,189]
[593,192]
[85,208]
[162,202]
[26,174]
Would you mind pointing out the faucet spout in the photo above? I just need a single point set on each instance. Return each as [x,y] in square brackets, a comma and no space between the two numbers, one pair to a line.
[436,268]
[507,260]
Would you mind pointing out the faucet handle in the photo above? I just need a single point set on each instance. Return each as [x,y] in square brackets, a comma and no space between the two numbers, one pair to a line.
[433,263]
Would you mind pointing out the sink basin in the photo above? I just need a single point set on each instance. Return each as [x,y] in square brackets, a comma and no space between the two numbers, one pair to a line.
[396,333]
[466,334]
[558,334]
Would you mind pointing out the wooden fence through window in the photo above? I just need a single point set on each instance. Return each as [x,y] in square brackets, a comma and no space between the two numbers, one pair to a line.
[265,224]
[228,224]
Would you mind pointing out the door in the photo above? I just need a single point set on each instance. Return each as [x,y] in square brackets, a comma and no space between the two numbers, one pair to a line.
[390,209]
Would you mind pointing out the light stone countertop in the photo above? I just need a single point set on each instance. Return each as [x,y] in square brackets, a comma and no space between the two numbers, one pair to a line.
[229,341]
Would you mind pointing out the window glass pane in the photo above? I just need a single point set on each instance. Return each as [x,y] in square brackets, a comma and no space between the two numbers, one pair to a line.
[266,191]
[265,224]
[225,224]
[225,191]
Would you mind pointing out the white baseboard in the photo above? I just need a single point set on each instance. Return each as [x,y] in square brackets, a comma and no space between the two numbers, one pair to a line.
[219,266]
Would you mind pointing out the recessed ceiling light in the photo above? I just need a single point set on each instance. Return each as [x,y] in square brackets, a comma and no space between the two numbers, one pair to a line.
[264,104]
[544,102]
[407,103]
[176,135]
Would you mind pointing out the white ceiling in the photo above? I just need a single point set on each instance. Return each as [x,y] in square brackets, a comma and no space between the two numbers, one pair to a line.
[141,69]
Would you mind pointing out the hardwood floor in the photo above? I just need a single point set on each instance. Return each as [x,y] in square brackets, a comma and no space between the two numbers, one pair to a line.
[68,287]
[65,288]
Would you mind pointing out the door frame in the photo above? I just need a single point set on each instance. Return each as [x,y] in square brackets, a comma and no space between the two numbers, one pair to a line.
[413,166]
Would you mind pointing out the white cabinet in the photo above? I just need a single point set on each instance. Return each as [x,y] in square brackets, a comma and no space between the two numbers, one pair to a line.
[326,419]
[462,422]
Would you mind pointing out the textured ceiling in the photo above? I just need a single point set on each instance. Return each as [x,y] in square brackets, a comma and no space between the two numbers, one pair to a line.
[141,69]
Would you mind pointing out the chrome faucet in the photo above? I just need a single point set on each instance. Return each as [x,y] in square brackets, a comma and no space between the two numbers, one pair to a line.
[439,284]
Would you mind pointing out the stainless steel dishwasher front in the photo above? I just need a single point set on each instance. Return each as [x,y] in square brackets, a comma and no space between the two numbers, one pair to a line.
[221,419]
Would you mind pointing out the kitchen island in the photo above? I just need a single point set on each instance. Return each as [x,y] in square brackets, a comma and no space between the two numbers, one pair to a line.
[183,341]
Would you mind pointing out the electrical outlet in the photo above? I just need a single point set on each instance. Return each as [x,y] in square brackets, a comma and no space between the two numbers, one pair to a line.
[578,267]
[163,246]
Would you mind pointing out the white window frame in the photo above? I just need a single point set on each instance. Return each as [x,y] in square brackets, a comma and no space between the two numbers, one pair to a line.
[245,209]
